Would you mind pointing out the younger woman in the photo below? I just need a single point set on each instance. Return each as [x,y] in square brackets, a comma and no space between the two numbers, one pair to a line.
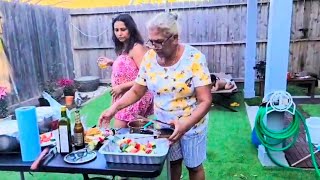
[130,50]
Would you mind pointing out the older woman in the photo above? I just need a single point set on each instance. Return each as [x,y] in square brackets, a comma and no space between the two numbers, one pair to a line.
[178,76]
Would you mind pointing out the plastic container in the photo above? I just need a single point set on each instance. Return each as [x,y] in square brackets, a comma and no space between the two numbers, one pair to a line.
[44,118]
[9,136]
[313,124]
[112,155]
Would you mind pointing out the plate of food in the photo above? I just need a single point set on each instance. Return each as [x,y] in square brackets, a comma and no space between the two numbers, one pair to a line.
[47,139]
[95,137]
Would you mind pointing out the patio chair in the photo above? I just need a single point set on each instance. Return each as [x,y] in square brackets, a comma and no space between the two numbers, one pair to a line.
[224,94]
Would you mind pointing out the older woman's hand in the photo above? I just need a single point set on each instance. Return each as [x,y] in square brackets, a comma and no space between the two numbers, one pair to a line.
[105,117]
[180,128]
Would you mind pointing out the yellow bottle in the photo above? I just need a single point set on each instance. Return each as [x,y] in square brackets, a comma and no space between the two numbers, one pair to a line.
[78,132]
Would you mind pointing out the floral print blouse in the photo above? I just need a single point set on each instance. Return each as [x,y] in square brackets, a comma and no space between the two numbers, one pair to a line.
[173,87]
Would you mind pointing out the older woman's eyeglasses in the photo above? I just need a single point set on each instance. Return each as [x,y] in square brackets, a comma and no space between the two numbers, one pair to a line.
[155,44]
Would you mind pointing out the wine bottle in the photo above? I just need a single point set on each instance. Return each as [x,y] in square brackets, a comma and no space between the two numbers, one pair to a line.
[65,132]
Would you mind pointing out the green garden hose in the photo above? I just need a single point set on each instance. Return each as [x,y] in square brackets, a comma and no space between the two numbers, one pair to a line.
[269,138]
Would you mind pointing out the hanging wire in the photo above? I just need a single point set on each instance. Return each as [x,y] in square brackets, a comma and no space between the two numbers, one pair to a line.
[87,35]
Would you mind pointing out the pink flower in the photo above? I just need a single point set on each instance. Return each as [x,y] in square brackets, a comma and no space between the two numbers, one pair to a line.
[3,93]
[65,82]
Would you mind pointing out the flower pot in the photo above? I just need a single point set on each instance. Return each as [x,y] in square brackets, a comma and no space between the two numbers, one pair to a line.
[69,100]
[68,92]
[87,83]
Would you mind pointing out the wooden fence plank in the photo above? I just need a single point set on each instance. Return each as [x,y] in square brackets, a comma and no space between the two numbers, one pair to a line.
[37,38]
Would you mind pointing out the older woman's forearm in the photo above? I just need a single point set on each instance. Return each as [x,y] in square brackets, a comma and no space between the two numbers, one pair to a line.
[204,99]
[133,95]
[201,110]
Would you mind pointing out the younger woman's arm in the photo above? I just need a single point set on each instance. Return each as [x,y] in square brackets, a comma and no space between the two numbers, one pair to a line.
[137,53]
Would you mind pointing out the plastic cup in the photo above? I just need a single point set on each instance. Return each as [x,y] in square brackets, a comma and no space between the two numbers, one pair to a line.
[103,66]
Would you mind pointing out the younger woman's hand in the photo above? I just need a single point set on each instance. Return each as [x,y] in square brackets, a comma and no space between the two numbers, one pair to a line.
[105,117]
[104,62]
[117,91]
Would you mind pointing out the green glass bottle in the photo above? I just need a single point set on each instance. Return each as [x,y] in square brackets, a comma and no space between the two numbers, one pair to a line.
[65,132]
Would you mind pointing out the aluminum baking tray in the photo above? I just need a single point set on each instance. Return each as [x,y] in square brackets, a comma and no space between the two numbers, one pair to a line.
[112,153]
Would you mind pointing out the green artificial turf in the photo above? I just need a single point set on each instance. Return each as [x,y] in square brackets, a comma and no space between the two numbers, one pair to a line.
[311,109]
[230,154]
[92,110]
[294,90]
[256,101]
[300,91]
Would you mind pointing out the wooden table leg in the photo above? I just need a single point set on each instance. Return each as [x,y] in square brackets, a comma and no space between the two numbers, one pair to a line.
[261,89]
[313,86]
[311,89]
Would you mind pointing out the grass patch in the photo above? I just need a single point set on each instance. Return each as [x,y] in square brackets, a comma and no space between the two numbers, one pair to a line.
[256,101]
[311,109]
[300,91]
[93,109]
[230,154]
[292,89]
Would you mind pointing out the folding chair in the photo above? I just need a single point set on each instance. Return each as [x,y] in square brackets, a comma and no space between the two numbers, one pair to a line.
[225,93]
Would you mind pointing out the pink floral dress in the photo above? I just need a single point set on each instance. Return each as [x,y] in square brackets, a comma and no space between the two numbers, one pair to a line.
[124,70]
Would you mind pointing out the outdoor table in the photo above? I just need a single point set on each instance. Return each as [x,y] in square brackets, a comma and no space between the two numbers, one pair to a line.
[13,162]
[310,82]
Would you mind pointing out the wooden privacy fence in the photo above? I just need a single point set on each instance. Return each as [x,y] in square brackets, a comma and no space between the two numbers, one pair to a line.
[48,43]
[217,28]
[38,41]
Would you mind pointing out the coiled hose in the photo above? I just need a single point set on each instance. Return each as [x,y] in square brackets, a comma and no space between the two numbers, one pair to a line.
[269,138]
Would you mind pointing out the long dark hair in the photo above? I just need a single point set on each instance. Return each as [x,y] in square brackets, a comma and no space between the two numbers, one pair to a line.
[135,36]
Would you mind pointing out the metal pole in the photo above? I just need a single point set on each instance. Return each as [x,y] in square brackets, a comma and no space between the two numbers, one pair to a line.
[21,175]
[280,14]
[251,46]
[168,168]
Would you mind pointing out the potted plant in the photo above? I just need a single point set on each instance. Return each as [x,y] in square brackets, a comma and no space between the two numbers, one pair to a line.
[68,89]
[260,69]
[3,103]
